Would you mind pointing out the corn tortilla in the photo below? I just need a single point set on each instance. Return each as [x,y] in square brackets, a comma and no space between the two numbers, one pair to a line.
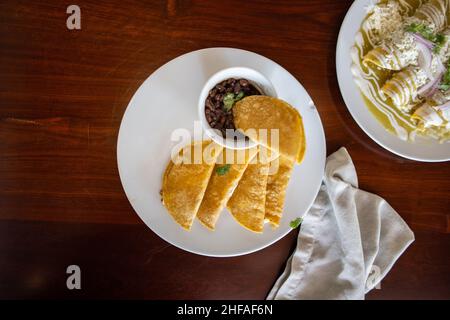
[184,184]
[262,112]
[276,190]
[221,185]
[247,204]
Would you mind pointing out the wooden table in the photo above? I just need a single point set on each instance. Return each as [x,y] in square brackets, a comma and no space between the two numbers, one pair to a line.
[62,96]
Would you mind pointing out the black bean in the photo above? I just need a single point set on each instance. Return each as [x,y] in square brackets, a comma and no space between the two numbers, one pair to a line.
[209,104]
[237,88]
[216,115]
[243,82]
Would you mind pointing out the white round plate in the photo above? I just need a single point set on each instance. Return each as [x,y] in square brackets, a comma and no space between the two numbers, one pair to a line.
[166,101]
[421,149]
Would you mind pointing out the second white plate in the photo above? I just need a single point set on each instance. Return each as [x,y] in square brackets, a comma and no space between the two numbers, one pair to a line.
[422,149]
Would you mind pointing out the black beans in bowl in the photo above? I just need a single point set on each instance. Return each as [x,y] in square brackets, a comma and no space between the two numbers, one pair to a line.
[221,99]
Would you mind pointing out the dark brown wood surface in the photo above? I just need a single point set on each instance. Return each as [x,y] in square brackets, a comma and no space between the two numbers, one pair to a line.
[62,97]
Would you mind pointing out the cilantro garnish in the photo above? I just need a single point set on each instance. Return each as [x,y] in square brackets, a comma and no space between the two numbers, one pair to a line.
[295,223]
[445,82]
[437,39]
[222,170]
[439,42]
[239,96]
[421,29]
[230,99]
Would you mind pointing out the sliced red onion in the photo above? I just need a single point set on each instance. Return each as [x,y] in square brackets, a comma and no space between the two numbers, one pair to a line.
[422,40]
[428,89]
[440,66]
[443,107]
[424,59]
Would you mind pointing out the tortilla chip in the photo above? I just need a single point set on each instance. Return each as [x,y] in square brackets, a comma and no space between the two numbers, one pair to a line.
[247,204]
[184,183]
[276,190]
[262,112]
[224,178]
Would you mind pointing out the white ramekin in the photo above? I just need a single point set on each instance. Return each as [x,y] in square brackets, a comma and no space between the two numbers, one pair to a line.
[255,78]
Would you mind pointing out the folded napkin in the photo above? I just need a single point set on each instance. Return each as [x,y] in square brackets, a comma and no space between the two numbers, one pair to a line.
[348,241]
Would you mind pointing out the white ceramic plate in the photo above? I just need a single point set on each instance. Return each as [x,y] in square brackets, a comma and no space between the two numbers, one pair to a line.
[167,100]
[420,150]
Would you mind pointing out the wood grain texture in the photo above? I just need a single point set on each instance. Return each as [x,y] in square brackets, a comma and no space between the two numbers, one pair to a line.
[62,96]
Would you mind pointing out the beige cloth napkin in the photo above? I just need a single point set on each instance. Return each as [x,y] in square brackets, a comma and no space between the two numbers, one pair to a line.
[348,241]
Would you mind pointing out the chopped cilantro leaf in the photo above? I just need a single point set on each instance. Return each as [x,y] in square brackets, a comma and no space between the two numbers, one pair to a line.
[421,29]
[427,33]
[295,223]
[222,170]
[230,99]
[439,42]
[445,82]
[444,87]
[239,96]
